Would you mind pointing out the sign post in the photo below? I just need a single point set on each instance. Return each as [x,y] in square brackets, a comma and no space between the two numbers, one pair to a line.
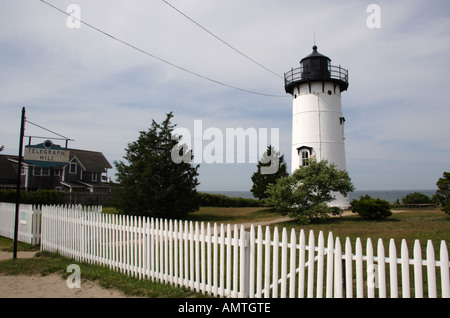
[19,172]
[45,155]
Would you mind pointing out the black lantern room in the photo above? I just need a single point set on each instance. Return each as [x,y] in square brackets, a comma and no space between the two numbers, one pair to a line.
[316,67]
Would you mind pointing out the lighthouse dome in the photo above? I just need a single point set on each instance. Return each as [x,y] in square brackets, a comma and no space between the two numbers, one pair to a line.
[315,54]
[316,67]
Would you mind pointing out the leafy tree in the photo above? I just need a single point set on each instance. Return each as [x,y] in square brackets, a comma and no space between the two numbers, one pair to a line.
[442,195]
[271,167]
[305,194]
[370,208]
[416,198]
[152,183]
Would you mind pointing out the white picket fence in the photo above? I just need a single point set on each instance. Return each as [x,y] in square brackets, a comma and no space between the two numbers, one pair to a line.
[228,261]
[29,218]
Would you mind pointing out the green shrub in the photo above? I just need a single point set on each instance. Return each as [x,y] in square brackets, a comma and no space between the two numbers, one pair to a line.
[416,198]
[220,200]
[38,197]
[370,208]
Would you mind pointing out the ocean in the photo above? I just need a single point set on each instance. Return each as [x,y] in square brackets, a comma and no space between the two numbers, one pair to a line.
[390,195]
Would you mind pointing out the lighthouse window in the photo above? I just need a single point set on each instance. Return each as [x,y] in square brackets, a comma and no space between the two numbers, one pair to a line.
[305,156]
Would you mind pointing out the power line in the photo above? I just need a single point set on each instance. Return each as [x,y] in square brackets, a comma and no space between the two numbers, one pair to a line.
[64,138]
[158,58]
[218,38]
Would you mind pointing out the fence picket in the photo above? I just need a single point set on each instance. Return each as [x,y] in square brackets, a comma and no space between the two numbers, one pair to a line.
[320,265]
[431,273]
[393,269]
[405,270]
[276,242]
[235,270]
[252,262]
[292,268]
[359,269]
[209,263]
[228,287]
[243,262]
[371,270]
[267,263]
[215,269]
[330,265]
[311,252]
[338,269]
[417,254]
[348,269]
[221,289]
[445,279]
[381,270]
[284,254]
[301,265]
[259,260]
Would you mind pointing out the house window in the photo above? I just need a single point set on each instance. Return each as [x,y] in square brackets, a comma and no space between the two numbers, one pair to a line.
[94,176]
[73,168]
[57,173]
[36,171]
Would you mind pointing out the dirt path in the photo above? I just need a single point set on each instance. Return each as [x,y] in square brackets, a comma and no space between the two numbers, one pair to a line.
[279,220]
[50,286]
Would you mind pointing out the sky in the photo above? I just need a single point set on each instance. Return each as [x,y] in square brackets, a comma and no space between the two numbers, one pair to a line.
[102,83]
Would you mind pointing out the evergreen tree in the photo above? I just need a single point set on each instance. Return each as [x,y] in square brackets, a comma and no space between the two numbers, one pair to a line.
[442,195]
[270,168]
[151,183]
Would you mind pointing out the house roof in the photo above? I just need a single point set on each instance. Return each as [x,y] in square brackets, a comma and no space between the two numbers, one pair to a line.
[91,160]
[7,168]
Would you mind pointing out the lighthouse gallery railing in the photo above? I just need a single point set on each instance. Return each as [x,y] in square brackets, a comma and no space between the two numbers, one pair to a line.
[295,74]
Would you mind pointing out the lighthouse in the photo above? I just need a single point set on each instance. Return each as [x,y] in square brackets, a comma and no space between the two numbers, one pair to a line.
[317,121]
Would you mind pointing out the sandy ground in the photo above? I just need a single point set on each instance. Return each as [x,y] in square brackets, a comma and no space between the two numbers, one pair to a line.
[50,286]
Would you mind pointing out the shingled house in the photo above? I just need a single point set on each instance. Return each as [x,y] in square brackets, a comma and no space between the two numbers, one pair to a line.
[86,171]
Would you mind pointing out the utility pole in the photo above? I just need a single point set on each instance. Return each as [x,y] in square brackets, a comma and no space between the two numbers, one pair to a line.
[19,173]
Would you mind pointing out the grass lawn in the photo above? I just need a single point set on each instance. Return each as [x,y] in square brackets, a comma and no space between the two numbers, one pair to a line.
[233,215]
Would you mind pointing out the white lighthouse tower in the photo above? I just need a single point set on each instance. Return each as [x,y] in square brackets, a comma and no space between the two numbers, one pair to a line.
[317,122]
